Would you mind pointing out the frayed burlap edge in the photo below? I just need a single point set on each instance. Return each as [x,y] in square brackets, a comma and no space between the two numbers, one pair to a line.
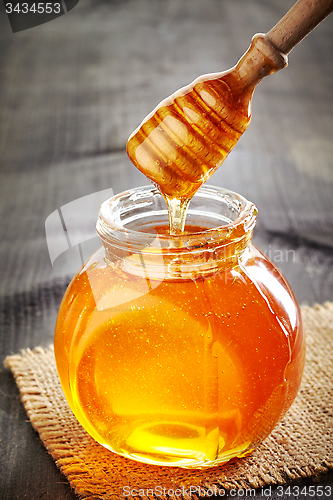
[300,446]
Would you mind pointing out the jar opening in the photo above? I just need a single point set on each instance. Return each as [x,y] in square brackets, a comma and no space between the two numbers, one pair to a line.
[141,215]
[134,229]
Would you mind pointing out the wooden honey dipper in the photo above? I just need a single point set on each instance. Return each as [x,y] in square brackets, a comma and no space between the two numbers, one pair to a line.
[189,135]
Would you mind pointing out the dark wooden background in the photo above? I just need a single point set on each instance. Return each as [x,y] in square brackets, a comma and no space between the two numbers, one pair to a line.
[72,91]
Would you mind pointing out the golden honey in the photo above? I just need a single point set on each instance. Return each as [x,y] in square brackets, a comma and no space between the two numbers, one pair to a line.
[182,350]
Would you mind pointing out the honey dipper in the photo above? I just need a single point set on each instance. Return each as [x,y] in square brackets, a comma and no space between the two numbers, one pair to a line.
[189,135]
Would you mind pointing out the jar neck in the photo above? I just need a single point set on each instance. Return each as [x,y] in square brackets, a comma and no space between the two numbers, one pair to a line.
[133,228]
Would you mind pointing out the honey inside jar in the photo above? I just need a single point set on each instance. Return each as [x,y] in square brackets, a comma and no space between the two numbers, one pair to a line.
[186,352]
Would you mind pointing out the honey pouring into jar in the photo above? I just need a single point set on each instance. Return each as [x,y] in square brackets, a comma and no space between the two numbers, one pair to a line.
[186,349]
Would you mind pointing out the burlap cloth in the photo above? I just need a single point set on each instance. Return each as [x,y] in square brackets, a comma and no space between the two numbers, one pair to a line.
[300,446]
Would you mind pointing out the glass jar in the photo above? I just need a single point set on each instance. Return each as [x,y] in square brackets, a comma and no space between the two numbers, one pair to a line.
[179,350]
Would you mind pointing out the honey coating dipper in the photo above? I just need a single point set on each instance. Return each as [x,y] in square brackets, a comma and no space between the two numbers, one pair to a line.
[189,135]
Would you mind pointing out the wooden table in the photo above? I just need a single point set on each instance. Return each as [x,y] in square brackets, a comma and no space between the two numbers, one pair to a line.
[73,90]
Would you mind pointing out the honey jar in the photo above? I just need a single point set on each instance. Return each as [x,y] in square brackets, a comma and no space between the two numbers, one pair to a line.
[181,350]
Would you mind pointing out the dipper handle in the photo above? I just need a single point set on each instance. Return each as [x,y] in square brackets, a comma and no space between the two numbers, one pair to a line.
[302,18]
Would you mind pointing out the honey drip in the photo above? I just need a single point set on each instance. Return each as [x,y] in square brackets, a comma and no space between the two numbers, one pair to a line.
[190,134]
[177,208]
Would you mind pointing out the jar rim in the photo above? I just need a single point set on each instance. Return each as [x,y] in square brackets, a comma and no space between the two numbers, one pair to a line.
[114,208]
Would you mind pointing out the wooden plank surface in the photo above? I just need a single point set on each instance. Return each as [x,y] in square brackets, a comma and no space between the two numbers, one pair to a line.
[73,90]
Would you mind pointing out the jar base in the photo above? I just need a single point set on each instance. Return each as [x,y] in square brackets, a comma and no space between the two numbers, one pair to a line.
[172,443]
